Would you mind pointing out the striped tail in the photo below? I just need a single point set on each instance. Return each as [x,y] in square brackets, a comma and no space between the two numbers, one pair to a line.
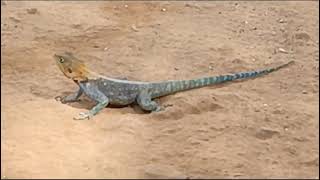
[169,87]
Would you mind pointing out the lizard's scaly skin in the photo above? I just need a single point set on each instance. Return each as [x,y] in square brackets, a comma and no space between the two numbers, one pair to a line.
[165,88]
[107,90]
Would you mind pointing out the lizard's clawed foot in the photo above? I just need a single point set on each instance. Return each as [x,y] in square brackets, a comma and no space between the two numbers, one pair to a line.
[58,98]
[61,99]
[83,116]
[158,109]
[65,100]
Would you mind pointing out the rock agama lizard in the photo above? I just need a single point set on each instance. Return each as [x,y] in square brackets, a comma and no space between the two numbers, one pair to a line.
[106,90]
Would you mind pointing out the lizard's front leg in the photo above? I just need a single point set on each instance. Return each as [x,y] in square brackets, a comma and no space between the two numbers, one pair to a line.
[70,98]
[93,111]
[96,95]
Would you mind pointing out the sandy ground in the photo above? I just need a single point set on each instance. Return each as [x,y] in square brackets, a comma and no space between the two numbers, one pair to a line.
[267,127]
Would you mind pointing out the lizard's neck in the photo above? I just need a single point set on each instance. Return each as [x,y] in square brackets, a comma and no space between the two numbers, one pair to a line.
[83,74]
[94,75]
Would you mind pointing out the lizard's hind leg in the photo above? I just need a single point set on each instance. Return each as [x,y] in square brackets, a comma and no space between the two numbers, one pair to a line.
[145,102]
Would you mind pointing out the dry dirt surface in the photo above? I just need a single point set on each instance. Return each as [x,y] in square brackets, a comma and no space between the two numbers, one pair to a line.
[266,127]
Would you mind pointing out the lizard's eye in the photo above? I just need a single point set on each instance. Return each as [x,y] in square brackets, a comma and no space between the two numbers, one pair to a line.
[69,70]
[61,59]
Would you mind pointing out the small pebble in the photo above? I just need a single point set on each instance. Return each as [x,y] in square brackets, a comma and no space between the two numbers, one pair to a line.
[278,111]
[15,19]
[176,68]
[304,92]
[283,50]
[126,6]
[163,10]
[281,21]
[254,28]
[134,28]
[210,67]
[265,105]
[76,26]
[106,49]
[32,10]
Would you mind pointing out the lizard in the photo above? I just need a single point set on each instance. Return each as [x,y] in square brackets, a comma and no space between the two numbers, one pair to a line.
[106,90]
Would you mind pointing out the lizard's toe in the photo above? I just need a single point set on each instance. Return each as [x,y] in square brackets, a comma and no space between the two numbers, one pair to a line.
[158,109]
[83,116]
[58,98]
[61,99]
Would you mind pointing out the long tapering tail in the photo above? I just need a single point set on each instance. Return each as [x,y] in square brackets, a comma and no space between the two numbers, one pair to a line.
[169,87]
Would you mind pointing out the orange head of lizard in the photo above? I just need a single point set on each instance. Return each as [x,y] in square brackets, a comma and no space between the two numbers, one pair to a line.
[71,67]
